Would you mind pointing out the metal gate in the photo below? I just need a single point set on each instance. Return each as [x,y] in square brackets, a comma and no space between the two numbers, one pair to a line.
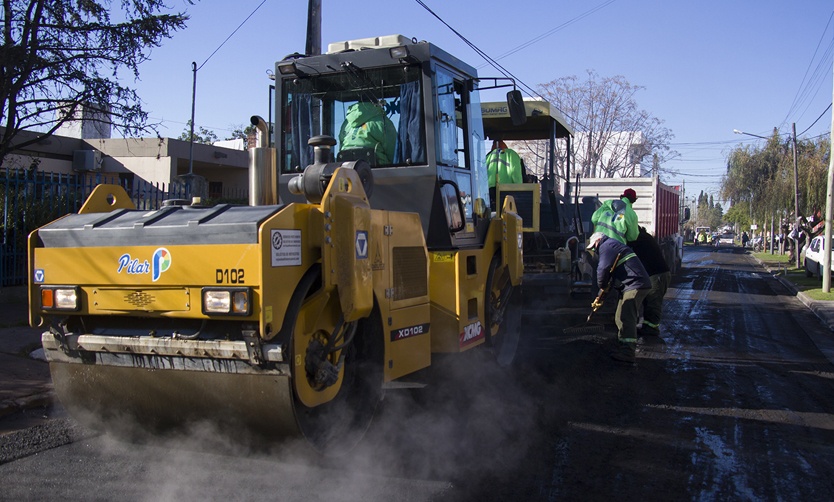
[31,199]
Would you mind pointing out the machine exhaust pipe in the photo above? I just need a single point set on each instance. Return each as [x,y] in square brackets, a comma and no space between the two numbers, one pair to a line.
[263,178]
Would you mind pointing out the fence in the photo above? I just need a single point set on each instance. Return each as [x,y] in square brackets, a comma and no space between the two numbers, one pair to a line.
[31,199]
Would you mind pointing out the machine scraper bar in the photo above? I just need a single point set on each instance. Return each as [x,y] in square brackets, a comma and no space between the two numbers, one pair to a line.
[145,345]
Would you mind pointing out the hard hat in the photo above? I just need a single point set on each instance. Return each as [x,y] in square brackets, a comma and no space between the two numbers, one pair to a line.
[629,194]
[594,239]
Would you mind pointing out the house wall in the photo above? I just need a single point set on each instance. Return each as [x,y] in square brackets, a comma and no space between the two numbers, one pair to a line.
[151,169]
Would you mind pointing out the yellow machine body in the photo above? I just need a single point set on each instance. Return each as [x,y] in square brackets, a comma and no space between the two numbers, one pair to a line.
[130,328]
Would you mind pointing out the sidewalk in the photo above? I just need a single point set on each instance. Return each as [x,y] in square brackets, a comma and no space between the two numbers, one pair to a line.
[24,381]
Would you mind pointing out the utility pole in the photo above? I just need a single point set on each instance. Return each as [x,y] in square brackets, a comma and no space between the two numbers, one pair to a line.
[313,27]
[826,256]
[796,195]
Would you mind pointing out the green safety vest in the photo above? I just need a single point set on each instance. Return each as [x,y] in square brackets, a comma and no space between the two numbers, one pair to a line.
[616,219]
[505,164]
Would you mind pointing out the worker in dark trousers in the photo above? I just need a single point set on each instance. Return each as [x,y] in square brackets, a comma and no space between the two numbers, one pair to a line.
[648,250]
[619,264]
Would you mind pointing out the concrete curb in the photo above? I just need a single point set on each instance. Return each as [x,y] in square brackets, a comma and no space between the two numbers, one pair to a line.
[822,309]
[40,400]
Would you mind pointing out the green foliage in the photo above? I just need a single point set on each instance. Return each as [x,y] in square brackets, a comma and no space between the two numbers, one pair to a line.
[201,135]
[60,56]
[761,179]
[241,132]
[708,213]
[739,215]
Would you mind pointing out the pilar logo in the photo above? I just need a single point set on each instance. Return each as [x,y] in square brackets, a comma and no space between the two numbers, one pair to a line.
[160,262]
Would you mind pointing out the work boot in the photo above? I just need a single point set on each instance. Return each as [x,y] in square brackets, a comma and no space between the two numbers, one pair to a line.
[647,330]
[625,352]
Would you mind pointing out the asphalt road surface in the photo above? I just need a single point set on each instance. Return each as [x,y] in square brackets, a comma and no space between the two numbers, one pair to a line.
[735,402]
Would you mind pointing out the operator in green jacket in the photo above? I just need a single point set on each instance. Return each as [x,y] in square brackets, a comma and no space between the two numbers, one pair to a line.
[616,218]
[503,165]
[367,127]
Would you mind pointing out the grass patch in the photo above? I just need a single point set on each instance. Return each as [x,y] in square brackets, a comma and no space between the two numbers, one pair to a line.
[811,286]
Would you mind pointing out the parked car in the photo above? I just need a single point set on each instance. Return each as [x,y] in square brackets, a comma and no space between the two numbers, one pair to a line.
[726,239]
[814,256]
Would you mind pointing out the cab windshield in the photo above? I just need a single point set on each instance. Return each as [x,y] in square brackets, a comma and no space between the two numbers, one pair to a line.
[375,115]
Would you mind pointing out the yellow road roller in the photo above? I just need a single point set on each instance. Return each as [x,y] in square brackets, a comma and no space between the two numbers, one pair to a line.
[367,247]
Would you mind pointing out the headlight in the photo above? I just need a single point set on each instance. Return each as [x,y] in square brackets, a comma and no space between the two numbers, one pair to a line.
[228,301]
[60,298]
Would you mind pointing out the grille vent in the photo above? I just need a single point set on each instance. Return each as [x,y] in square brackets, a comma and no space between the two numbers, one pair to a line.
[410,279]
[139,299]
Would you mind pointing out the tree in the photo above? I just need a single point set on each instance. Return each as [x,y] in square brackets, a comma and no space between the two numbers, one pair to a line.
[617,133]
[60,56]
[708,213]
[739,214]
[239,131]
[203,135]
[762,178]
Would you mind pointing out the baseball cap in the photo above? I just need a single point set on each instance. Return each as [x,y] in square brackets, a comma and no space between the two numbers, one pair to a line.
[630,194]
[594,239]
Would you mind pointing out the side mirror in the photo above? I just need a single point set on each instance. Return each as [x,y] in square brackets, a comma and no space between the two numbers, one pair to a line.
[686,215]
[515,103]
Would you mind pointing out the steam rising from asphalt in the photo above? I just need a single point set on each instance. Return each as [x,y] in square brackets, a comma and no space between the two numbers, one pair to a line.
[473,422]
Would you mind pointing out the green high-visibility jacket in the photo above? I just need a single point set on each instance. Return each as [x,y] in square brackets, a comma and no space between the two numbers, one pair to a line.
[616,219]
[366,126]
[505,164]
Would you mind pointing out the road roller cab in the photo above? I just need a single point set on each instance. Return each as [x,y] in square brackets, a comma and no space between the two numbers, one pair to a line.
[368,245]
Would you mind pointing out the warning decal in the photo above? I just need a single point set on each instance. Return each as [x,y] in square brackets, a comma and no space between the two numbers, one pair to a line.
[286,248]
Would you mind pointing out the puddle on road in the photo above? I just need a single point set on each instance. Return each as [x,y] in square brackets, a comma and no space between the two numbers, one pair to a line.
[724,465]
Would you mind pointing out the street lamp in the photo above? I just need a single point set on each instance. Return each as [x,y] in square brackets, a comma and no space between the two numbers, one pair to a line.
[736,131]
[795,184]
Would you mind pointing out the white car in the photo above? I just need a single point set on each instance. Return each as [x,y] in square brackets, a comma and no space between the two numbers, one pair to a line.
[814,256]
[726,239]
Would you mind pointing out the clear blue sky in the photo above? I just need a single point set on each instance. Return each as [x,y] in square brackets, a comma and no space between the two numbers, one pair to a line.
[707,66]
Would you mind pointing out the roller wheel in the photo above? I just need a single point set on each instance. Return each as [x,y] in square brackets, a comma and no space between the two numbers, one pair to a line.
[503,313]
[333,419]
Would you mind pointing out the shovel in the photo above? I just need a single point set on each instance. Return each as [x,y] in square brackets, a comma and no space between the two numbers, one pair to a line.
[587,327]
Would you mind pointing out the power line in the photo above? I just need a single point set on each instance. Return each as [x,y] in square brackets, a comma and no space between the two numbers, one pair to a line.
[492,62]
[817,76]
[818,118]
[552,31]
[232,34]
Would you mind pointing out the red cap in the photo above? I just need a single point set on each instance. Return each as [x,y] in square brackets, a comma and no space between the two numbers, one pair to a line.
[630,195]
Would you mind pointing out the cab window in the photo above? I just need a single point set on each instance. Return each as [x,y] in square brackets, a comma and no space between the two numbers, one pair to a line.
[375,115]
[450,124]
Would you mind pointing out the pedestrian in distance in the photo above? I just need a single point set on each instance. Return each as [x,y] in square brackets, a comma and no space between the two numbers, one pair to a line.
[619,264]
[648,250]
[616,218]
[744,239]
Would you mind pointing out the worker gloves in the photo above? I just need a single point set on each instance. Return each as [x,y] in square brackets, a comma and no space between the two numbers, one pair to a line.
[597,303]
